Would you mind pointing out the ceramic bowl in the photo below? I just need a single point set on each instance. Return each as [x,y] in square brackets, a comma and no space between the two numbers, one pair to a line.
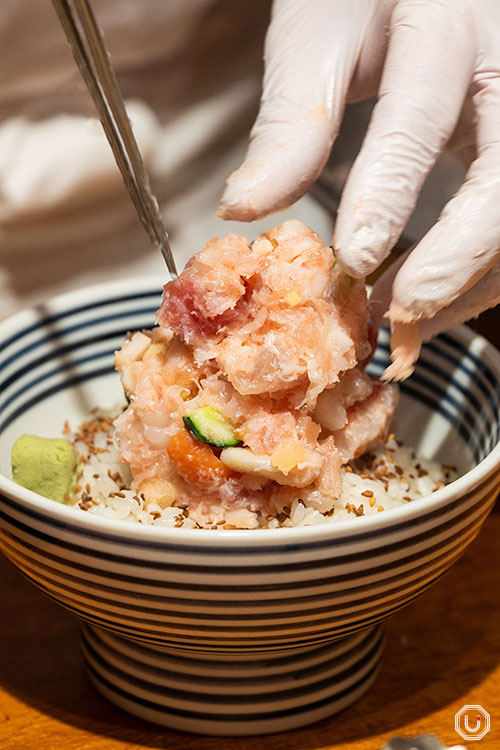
[234,632]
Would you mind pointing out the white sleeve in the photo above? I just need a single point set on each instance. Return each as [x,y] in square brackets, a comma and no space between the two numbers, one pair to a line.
[63,161]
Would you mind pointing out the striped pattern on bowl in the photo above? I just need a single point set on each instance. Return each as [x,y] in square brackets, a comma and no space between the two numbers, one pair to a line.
[171,613]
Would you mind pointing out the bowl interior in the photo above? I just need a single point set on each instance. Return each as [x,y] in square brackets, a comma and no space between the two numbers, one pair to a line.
[56,364]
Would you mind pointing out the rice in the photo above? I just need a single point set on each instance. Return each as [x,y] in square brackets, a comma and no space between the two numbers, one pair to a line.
[388,477]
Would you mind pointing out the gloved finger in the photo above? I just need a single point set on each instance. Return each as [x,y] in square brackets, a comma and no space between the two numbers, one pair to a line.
[449,275]
[311,51]
[483,295]
[406,338]
[462,143]
[465,243]
[381,293]
[431,45]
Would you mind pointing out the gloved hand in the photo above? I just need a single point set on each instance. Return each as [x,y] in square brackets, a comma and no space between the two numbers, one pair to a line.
[436,66]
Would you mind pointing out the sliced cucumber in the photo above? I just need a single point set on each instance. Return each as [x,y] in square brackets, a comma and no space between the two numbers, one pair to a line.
[210,426]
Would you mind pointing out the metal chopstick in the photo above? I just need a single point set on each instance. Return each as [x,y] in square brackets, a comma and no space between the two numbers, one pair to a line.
[92,59]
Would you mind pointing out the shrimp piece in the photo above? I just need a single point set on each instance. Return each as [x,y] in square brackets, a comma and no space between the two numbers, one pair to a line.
[332,404]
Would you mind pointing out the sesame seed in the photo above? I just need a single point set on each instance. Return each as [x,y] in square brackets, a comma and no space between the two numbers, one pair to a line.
[350,508]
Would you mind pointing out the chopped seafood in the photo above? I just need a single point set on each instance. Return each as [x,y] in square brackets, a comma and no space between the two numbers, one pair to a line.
[251,393]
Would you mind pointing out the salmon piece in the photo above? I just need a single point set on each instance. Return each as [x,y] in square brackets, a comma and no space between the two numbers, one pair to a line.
[196,462]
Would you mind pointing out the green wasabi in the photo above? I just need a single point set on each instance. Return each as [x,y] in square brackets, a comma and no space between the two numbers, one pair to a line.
[45,465]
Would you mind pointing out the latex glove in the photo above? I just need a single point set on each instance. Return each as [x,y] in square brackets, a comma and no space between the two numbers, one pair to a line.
[436,65]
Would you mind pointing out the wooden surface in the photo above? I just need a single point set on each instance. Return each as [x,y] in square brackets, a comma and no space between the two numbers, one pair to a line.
[443,652]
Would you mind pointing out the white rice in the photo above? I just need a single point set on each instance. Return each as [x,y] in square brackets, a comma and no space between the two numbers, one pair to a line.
[388,477]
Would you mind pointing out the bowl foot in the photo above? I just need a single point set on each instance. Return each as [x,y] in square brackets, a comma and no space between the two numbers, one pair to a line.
[228,693]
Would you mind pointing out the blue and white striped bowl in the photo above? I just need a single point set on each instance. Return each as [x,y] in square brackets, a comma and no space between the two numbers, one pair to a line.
[234,632]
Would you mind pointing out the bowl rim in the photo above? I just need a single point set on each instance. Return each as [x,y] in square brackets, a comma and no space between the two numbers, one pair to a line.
[70,517]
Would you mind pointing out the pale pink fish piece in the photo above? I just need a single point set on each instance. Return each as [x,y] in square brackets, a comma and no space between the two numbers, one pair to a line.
[368,421]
